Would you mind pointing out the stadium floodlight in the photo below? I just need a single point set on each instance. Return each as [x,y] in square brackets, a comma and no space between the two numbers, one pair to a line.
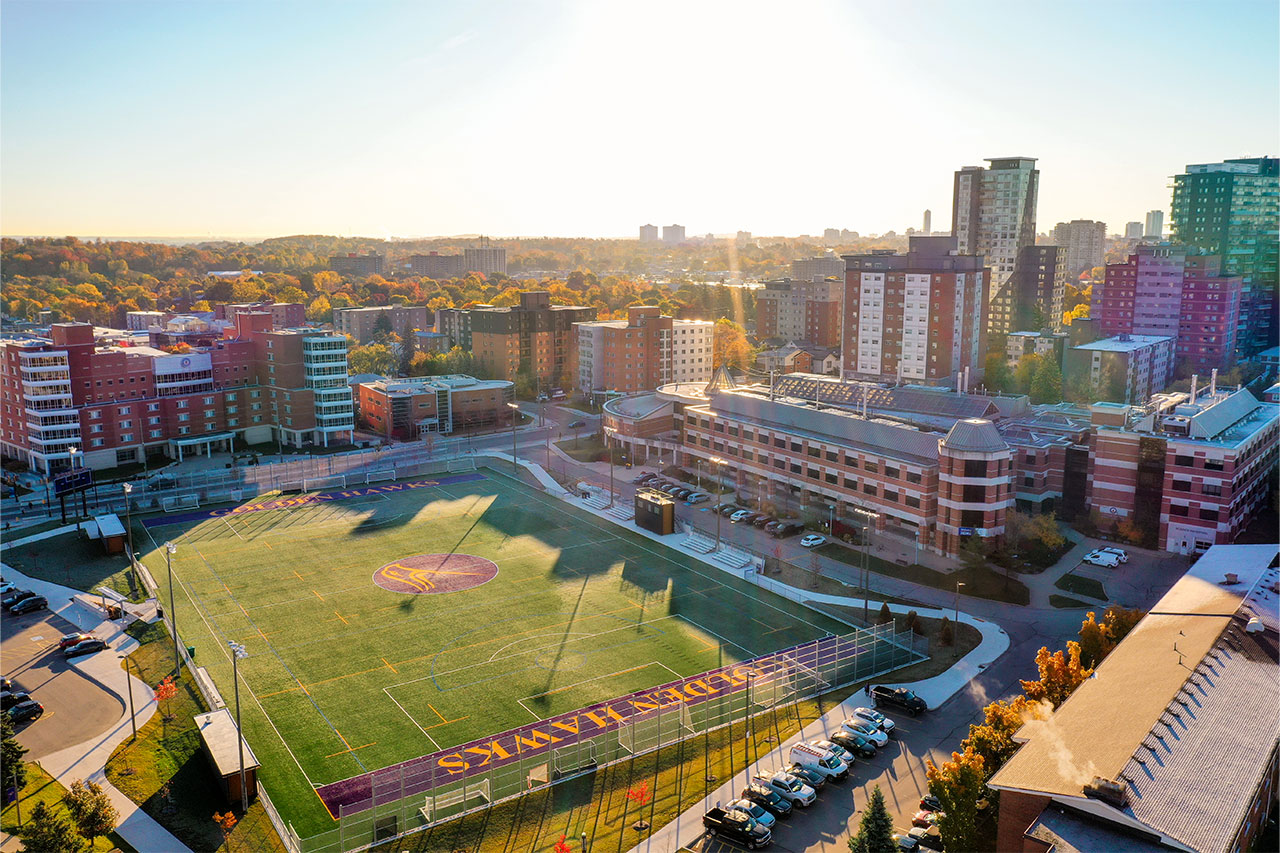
[169,550]
[515,409]
[238,651]
[609,433]
[717,461]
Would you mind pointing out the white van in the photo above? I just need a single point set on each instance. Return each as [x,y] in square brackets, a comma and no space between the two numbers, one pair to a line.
[823,761]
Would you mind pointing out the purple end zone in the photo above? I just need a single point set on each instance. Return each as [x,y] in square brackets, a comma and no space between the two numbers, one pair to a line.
[302,500]
[422,774]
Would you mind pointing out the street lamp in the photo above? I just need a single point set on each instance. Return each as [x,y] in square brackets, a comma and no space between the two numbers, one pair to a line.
[717,461]
[955,631]
[128,523]
[515,409]
[609,433]
[238,651]
[868,517]
[169,550]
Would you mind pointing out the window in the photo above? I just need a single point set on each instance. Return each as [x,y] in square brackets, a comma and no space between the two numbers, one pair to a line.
[127,437]
[1209,514]
[832,456]
[913,502]
[891,473]
[96,428]
[913,477]
[124,410]
[1187,461]
[872,467]
[795,469]
[1182,485]
[153,407]
[1177,509]
[1213,464]
[184,416]
[832,479]
[209,413]
[975,494]
[155,433]
[869,488]
[1213,489]
[1029,481]
[975,468]
[182,404]
[97,442]
[95,414]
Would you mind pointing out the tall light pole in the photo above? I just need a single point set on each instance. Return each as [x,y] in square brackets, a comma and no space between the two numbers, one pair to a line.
[958,585]
[515,410]
[169,549]
[609,433]
[717,461]
[955,630]
[237,652]
[868,517]
[128,523]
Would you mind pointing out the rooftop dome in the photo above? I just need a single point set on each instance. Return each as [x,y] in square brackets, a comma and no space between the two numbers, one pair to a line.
[975,435]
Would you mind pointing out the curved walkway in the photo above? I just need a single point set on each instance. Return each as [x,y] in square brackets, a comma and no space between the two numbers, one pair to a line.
[88,760]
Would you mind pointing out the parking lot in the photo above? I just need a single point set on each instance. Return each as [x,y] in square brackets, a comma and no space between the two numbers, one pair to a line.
[76,707]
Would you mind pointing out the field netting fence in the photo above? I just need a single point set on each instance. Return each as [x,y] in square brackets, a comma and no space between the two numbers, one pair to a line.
[416,794]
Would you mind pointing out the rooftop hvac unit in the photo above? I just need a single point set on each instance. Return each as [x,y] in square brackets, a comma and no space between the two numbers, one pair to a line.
[1109,791]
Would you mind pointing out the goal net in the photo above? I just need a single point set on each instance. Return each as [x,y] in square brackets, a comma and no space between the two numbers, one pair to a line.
[318,484]
[178,502]
[462,463]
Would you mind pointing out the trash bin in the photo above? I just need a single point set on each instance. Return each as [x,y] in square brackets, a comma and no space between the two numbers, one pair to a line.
[191,652]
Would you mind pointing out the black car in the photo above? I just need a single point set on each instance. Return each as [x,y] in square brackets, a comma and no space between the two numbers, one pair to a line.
[736,827]
[14,597]
[29,605]
[728,509]
[812,778]
[856,745]
[25,711]
[681,492]
[898,697]
[84,647]
[8,700]
[930,802]
[5,684]
[770,801]
[642,479]
[788,528]
[763,521]
[576,424]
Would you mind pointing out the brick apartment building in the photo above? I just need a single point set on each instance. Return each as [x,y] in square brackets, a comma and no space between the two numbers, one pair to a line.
[361,323]
[1166,291]
[355,264]
[1171,744]
[435,265]
[801,310]
[642,352]
[1121,369]
[411,409]
[535,337]
[284,315]
[918,317]
[1194,465]
[1032,300]
[115,405]
[819,268]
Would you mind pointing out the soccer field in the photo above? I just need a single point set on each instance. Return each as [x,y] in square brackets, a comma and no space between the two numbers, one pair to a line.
[383,626]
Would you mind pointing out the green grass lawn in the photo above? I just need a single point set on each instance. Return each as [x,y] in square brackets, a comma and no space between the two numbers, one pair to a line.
[1065,602]
[80,563]
[344,677]
[588,448]
[1081,585]
[43,788]
[984,582]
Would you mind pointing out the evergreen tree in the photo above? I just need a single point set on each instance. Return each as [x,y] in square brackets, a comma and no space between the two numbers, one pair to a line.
[11,752]
[45,832]
[875,832]
[946,633]
[885,616]
[1046,384]
[382,329]
[408,349]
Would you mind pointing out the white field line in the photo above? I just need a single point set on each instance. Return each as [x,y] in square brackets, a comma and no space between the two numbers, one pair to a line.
[725,640]
[232,529]
[411,719]
[596,678]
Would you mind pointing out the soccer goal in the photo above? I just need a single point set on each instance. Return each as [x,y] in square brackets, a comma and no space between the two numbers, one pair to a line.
[380,476]
[317,484]
[177,502]
[446,802]
[462,463]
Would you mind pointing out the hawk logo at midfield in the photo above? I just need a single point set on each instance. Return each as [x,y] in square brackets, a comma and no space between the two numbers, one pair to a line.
[435,573]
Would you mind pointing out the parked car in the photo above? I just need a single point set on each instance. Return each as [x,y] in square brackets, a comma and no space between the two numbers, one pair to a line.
[843,754]
[728,509]
[642,479]
[5,684]
[6,587]
[812,778]
[14,597]
[682,492]
[898,697]
[788,787]
[927,836]
[813,540]
[826,763]
[698,498]
[763,521]
[772,526]
[577,424]
[930,802]
[925,818]
[1101,558]
[23,712]
[740,515]
[29,605]
[84,648]
[736,827]
[9,699]
[859,726]
[778,805]
[876,719]
[70,640]
[1119,553]
[787,528]
[904,842]
[856,744]
[755,811]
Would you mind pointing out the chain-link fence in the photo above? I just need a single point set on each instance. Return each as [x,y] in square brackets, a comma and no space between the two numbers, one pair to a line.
[414,795]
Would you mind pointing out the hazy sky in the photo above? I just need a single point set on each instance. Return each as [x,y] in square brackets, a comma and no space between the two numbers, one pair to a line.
[591,118]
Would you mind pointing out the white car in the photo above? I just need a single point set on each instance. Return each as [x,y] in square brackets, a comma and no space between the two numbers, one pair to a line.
[6,588]
[698,497]
[788,787]
[1101,558]
[1119,553]
[868,731]
[875,718]
[813,540]
[740,514]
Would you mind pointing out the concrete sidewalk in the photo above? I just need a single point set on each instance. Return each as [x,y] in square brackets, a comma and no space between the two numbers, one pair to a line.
[87,760]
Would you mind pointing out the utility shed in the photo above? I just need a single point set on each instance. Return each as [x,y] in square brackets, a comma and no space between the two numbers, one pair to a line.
[109,529]
[218,738]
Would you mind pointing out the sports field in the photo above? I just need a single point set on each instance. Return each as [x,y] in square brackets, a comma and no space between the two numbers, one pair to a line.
[394,620]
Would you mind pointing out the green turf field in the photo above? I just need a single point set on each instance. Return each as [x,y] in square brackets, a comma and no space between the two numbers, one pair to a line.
[344,676]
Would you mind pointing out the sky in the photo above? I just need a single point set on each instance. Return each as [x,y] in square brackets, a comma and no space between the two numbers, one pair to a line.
[588,119]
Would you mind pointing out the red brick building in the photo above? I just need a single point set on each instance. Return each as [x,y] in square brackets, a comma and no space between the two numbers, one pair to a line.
[411,409]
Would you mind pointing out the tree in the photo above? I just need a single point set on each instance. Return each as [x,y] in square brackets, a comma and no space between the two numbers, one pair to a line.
[886,616]
[11,752]
[1024,372]
[958,784]
[165,691]
[91,809]
[382,328]
[992,739]
[226,823]
[875,831]
[1097,639]
[729,345]
[374,358]
[408,349]
[45,832]
[320,310]
[973,554]
[1060,674]
[1046,385]
[996,375]
[946,633]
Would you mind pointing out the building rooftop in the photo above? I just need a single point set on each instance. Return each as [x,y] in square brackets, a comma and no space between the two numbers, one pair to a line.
[975,435]
[218,731]
[1123,343]
[420,384]
[1193,686]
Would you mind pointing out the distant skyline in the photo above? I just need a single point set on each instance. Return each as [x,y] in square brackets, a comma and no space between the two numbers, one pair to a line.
[589,119]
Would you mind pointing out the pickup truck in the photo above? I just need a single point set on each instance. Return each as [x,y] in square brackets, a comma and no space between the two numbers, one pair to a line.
[898,697]
[737,827]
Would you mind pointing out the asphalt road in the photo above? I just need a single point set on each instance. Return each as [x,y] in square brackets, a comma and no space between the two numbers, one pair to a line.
[76,707]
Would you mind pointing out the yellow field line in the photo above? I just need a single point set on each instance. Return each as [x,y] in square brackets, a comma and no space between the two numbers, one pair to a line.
[352,749]
[296,575]
[339,615]
[318,595]
[390,667]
